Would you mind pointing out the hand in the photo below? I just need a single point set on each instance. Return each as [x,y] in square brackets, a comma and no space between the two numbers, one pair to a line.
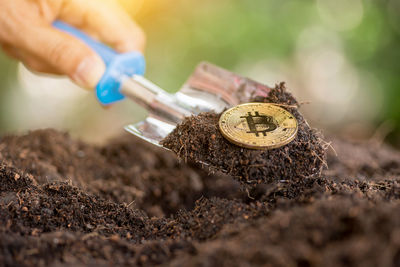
[26,34]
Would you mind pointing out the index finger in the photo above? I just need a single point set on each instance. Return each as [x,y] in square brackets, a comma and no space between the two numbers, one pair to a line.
[105,21]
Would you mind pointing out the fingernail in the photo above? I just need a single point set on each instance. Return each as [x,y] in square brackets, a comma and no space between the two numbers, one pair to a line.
[89,72]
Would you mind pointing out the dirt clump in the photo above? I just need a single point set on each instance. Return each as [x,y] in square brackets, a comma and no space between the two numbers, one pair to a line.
[198,139]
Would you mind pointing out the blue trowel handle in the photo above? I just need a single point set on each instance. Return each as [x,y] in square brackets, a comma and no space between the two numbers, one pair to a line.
[119,66]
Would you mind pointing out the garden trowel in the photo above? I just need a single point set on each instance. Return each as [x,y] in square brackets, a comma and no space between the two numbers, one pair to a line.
[209,88]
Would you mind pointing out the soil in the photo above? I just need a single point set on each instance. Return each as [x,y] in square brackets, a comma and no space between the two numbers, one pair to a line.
[198,139]
[67,203]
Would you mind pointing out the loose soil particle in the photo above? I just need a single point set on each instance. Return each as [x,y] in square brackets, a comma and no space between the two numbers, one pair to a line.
[198,139]
[67,203]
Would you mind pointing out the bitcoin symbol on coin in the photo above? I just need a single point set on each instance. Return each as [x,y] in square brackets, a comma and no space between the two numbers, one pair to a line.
[258,126]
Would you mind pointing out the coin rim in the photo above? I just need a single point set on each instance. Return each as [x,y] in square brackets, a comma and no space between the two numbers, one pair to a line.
[269,147]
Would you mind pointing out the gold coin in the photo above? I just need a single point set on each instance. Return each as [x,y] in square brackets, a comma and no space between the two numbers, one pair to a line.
[258,126]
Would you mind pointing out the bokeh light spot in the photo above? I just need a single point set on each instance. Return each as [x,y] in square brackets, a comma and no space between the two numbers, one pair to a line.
[341,15]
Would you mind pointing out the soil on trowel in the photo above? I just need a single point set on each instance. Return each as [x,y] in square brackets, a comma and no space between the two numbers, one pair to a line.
[67,203]
[198,139]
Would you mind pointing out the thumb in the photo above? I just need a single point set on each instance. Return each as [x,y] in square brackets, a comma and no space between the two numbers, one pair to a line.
[65,54]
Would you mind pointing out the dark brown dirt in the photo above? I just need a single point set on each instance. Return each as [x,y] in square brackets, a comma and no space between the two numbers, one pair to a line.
[67,203]
[198,139]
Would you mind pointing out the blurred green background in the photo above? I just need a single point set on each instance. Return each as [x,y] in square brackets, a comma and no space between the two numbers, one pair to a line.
[341,57]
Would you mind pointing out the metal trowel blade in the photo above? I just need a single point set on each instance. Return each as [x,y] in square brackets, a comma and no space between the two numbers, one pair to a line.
[209,88]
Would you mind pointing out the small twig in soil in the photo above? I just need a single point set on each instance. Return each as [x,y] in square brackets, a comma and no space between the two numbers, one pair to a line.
[329,145]
[248,194]
[20,201]
[304,103]
[130,203]
[323,161]
[284,105]
[256,166]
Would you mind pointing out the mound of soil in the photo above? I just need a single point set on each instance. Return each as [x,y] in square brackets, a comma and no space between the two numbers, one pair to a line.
[67,203]
[198,139]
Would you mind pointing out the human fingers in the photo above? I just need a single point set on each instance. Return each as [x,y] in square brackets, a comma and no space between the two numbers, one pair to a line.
[105,20]
[49,50]
[26,33]
[30,61]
